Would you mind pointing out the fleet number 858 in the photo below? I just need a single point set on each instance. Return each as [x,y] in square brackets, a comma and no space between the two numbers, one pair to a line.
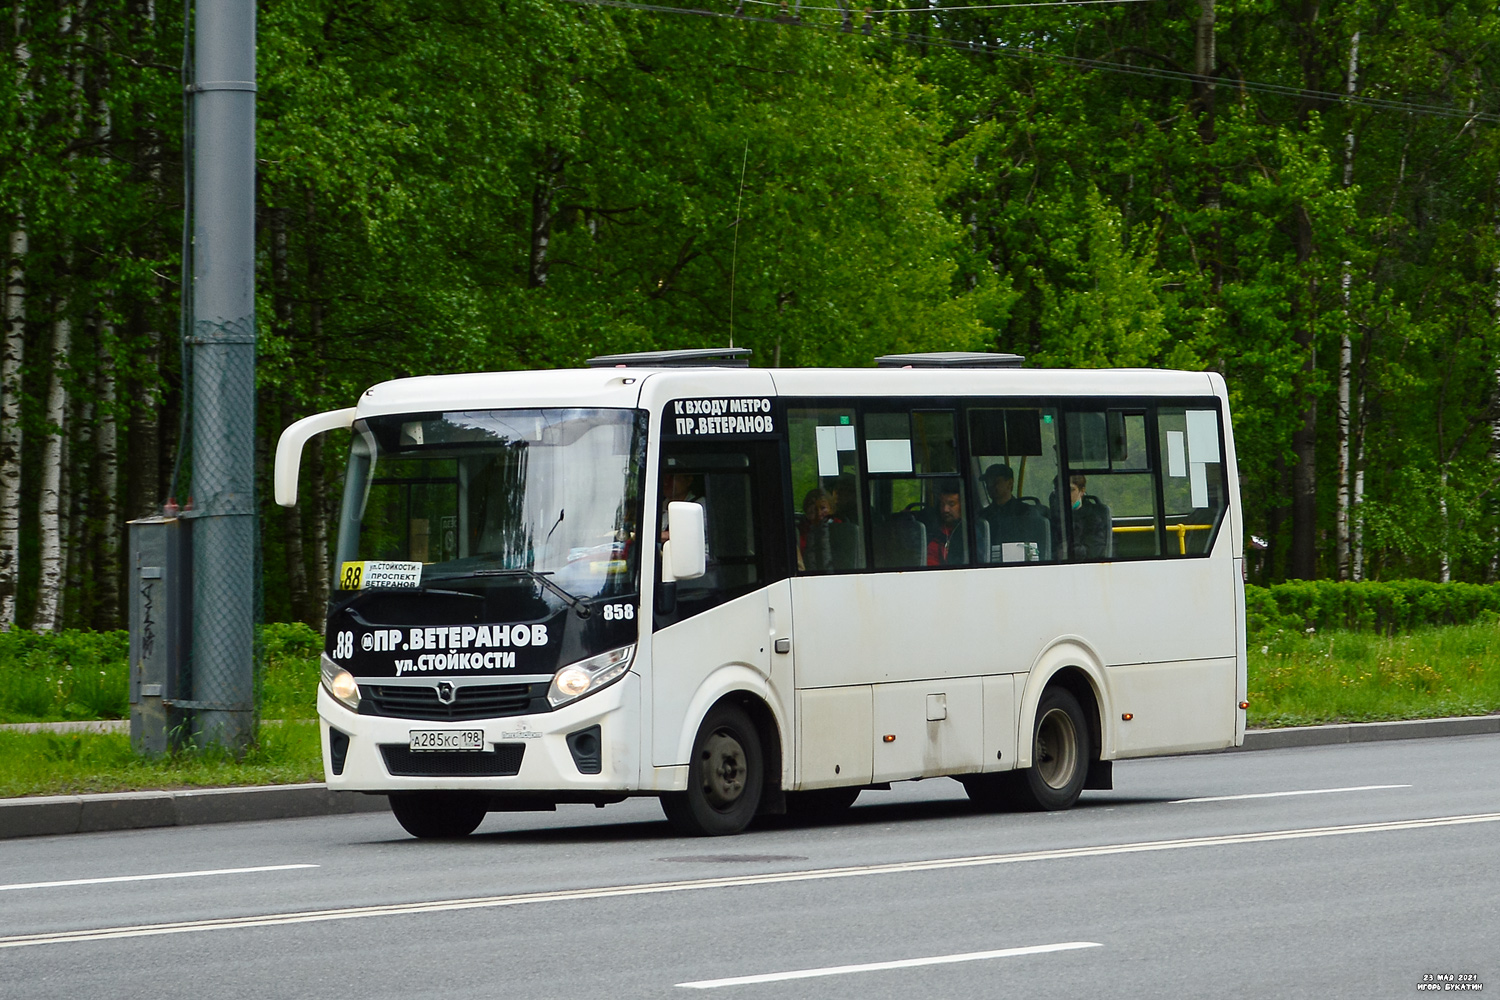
[619,612]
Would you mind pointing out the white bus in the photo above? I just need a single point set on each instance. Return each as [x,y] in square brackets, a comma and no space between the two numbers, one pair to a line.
[751,591]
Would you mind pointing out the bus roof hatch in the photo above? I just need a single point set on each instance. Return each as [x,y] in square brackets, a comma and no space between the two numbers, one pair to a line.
[697,357]
[949,359]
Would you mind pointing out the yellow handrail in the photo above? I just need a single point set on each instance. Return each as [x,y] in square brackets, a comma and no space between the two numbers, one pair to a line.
[1181,529]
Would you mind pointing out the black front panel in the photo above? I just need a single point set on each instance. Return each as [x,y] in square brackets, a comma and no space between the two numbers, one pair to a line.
[404,762]
[472,628]
[479,701]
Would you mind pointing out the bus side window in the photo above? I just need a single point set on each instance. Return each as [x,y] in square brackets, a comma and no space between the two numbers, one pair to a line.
[1194,494]
[1108,500]
[1014,479]
[825,490]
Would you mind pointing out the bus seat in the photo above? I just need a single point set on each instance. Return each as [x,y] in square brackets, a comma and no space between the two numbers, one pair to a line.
[901,541]
[846,545]
[982,539]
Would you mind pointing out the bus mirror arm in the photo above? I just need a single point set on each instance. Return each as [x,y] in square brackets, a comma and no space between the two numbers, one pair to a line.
[289,448]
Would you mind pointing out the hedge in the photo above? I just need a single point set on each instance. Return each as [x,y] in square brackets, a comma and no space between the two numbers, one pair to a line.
[1369,606]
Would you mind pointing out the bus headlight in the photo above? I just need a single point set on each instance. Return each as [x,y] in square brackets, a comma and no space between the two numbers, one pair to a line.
[587,676]
[340,683]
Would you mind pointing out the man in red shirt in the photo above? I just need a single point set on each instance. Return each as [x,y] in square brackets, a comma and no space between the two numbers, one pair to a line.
[945,538]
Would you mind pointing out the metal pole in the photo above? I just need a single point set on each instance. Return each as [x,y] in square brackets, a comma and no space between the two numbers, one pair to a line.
[223,364]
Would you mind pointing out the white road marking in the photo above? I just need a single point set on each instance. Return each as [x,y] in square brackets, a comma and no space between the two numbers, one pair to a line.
[905,963]
[151,878]
[1278,795]
[725,882]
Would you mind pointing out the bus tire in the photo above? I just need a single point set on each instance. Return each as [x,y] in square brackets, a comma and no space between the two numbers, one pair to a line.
[438,815]
[726,776]
[821,803]
[1059,754]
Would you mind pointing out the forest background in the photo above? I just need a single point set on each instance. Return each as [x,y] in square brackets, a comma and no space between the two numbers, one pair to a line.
[1300,195]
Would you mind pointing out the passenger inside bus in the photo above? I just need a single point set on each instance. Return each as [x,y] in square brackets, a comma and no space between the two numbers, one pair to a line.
[1090,520]
[945,534]
[1018,531]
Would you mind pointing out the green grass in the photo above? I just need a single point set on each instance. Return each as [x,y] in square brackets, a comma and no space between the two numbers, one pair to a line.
[72,763]
[86,675]
[1306,679]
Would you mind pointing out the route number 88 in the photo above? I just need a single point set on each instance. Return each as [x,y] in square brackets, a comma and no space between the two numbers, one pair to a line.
[343,646]
[349,579]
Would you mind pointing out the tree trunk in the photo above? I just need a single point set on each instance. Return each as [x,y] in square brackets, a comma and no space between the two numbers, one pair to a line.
[542,217]
[11,359]
[10,425]
[1344,500]
[1304,561]
[49,508]
[107,468]
[78,539]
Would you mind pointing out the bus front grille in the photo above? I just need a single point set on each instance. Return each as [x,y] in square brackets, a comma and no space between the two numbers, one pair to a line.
[405,762]
[479,701]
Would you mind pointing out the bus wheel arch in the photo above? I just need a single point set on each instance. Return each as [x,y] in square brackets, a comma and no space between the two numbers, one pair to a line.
[1071,665]
[728,771]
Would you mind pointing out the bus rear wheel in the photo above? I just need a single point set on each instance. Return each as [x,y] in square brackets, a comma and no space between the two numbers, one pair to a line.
[726,776]
[1059,754]
[438,815]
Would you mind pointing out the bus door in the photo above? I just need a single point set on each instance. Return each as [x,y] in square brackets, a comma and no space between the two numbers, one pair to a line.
[731,617]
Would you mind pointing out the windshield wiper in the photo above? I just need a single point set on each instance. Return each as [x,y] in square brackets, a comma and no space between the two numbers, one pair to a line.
[575,603]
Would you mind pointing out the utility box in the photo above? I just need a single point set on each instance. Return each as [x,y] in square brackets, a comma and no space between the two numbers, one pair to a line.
[161,560]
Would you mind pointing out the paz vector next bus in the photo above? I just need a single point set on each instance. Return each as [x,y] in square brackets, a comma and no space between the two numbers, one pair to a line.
[752,591]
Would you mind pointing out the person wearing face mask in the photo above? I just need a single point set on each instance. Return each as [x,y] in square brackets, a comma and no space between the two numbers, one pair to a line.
[1090,520]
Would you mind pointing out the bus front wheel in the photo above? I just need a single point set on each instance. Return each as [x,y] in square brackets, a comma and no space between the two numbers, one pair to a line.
[726,776]
[438,815]
[1059,754]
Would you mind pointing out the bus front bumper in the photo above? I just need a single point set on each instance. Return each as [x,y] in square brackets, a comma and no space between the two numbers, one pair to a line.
[525,753]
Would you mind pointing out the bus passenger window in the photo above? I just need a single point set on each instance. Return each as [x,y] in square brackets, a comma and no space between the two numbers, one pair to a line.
[825,490]
[1014,471]
[1194,494]
[1109,508]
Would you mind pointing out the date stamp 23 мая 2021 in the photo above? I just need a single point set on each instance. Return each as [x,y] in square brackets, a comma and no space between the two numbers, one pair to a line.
[1467,982]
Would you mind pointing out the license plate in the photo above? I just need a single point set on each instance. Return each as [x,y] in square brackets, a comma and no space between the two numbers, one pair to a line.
[447,739]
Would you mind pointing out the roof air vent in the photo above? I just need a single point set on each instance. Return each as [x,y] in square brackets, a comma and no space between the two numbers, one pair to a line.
[697,357]
[949,359]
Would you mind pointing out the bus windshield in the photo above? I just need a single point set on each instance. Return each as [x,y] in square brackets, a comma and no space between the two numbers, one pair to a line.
[496,495]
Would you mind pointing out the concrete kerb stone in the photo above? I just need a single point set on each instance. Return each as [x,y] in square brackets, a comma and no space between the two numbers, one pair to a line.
[47,815]
[1367,732]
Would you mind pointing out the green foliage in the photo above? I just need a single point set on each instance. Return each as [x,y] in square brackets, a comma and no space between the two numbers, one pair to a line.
[1402,606]
[69,675]
[75,675]
[1299,679]
[75,763]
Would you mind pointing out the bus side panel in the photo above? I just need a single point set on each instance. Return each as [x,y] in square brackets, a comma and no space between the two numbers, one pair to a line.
[834,737]
[937,725]
[1174,706]
[1001,699]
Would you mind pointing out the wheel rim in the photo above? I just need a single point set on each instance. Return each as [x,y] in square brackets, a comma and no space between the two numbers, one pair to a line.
[724,770]
[1056,749]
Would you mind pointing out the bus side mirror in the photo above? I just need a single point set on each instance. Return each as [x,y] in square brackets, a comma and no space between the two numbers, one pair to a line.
[289,449]
[685,553]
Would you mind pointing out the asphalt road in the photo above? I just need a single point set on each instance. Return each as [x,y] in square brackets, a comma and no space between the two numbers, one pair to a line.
[1383,871]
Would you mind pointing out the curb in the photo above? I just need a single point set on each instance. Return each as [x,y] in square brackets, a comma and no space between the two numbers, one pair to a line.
[49,815]
[1368,732]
